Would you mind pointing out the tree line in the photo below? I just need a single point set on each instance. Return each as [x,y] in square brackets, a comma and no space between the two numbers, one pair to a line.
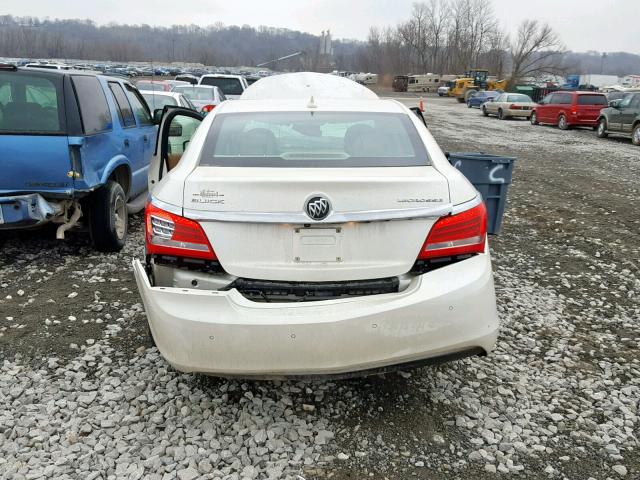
[440,36]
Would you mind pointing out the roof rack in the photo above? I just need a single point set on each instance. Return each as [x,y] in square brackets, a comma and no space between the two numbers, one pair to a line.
[8,66]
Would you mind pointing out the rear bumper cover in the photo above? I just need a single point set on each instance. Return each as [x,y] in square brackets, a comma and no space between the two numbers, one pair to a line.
[22,211]
[443,313]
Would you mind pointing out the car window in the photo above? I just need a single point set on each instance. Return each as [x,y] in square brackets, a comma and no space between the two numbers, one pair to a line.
[626,101]
[94,109]
[158,101]
[548,99]
[501,98]
[562,99]
[635,103]
[30,103]
[196,93]
[124,107]
[519,98]
[313,139]
[230,86]
[155,87]
[592,100]
[140,108]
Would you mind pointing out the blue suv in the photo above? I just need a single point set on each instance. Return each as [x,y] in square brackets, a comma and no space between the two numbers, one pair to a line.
[74,150]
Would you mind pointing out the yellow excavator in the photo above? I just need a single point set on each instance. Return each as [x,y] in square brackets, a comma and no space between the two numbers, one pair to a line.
[474,81]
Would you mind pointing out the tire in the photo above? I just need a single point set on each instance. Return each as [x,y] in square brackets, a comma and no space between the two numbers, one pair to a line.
[534,119]
[460,100]
[635,135]
[469,103]
[562,122]
[468,94]
[484,111]
[601,131]
[108,218]
[501,114]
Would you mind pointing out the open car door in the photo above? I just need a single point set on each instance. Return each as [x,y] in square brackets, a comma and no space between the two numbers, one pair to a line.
[176,127]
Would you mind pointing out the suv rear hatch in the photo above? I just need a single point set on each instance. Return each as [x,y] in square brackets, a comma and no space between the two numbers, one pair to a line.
[259,172]
[33,140]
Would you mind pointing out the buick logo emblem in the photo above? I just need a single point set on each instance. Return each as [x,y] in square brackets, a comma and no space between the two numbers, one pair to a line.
[318,208]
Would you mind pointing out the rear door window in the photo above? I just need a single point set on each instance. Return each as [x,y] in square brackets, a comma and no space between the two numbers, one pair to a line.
[562,99]
[94,109]
[313,139]
[140,108]
[31,103]
[124,107]
[592,100]
[229,86]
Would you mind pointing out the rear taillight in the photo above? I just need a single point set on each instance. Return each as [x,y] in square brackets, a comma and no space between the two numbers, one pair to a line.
[170,234]
[574,110]
[208,108]
[513,106]
[460,234]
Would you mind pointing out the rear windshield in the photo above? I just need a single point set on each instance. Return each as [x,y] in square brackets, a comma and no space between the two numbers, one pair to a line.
[156,87]
[313,139]
[196,93]
[519,99]
[592,100]
[158,101]
[229,86]
[30,103]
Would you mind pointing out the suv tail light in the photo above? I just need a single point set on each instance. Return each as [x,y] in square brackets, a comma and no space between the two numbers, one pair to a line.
[460,234]
[208,108]
[170,234]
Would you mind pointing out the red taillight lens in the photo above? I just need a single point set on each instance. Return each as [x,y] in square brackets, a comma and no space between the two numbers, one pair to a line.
[513,106]
[208,108]
[459,234]
[170,234]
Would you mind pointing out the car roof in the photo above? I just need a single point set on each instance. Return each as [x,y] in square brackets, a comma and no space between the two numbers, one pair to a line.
[221,75]
[304,85]
[160,93]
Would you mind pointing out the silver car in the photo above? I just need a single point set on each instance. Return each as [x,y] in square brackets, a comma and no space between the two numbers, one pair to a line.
[204,97]
[508,105]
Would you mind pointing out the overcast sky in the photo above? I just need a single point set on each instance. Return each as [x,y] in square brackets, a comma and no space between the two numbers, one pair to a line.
[605,25]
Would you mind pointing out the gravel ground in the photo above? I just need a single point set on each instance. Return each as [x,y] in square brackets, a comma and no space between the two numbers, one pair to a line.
[83,394]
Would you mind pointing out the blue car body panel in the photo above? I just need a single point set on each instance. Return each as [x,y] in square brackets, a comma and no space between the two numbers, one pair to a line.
[35,163]
[479,98]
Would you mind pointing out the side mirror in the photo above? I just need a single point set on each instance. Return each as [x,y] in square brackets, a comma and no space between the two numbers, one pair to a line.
[614,103]
[157,116]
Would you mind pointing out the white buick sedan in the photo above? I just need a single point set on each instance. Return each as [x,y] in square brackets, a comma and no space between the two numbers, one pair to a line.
[312,228]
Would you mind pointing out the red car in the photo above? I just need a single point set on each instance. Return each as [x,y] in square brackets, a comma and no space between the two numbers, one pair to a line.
[570,109]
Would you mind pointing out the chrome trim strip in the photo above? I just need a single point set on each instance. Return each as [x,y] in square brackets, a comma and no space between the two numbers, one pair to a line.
[167,207]
[461,207]
[334,217]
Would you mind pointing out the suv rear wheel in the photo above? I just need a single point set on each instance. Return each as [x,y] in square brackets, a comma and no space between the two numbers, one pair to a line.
[562,123]
[108,218]
[635,136]
[602,129]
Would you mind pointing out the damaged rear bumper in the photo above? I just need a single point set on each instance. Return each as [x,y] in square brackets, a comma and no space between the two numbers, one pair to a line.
[23,211]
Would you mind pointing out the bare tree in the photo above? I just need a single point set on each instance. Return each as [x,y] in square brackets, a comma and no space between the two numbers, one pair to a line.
[536,50]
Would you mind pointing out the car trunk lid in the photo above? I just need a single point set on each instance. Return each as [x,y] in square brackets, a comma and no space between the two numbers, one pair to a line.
[256,221]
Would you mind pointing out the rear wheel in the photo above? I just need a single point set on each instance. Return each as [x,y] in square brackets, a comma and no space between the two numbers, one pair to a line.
[469,103]
[562,123]
[635,136]
[602,129]
[484,111]
[468,94]
[533,118]
[501,114]
[108,219]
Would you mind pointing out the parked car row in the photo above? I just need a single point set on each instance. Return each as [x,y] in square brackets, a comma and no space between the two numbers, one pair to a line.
[567,109]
